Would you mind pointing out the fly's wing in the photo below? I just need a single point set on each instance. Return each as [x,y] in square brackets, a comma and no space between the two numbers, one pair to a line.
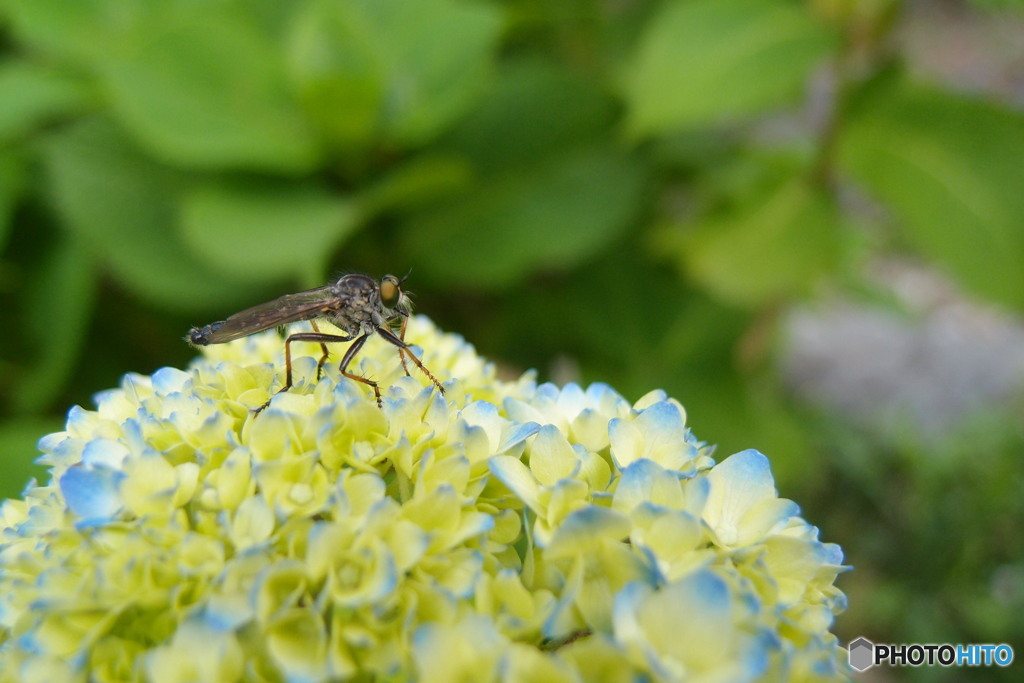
[281,311]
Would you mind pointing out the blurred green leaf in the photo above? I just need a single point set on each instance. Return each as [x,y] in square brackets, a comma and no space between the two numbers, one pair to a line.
[774,244]
[31,94]
[58,306]
[706,61]
[258,230]
[201,85]
[332,58]
[421,179]
[949,170]
[18,451]
[397,70]
[69,30]
[694,353]
[533,109]
[601,314]
[550,216]
[13,183]
[124,209]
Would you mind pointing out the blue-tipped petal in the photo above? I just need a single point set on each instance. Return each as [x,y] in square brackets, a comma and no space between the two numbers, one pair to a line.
[549,390]
[664,430]
[624,611]
[600,391]
[169,380]
[517,435]
[833,554]
[697,611]
[473,524]
[696,492]
[585,529]
[92,493]
[61,452]
[78,417]
[51,441]
[749,474]
[738,483]
[104,453]
[645,481]
[226,612]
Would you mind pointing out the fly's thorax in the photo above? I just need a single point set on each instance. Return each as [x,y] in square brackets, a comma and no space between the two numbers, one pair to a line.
[357,303]
[356,286]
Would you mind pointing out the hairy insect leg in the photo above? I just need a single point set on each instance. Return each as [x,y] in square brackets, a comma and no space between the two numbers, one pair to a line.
[401,335]
[318,337]
[349,355]
[403,350]
[323,347]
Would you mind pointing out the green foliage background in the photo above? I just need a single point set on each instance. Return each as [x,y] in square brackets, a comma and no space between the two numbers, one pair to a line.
[639,188]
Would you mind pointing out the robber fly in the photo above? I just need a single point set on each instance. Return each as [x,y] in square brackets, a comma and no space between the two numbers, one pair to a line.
[355,304]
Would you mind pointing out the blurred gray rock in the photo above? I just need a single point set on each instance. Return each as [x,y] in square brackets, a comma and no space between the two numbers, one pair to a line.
[927,362]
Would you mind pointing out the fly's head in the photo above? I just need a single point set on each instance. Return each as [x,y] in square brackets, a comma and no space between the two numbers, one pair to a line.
[394,301]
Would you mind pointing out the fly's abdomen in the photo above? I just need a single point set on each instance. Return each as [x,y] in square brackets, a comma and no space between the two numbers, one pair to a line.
[202,336]
[347,320]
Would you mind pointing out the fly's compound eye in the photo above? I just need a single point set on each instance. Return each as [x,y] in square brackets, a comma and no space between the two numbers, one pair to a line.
[390,292]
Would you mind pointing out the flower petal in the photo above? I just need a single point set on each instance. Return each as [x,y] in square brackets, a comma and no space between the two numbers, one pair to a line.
[645,481]
[585,529]
[518,478]
[738,483]
[551,457]
[92,493]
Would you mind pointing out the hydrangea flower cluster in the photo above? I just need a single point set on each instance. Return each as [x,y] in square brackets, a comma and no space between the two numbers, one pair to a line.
[503,531]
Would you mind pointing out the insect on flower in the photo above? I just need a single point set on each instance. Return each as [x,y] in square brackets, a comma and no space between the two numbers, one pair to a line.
[356,304]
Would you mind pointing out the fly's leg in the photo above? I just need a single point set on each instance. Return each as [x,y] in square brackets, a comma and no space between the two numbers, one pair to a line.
[401,335]
[404,350]
[349,355]
[323,347]
[318,337]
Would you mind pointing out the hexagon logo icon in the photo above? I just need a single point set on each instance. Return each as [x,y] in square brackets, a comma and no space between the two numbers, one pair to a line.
[862,654]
